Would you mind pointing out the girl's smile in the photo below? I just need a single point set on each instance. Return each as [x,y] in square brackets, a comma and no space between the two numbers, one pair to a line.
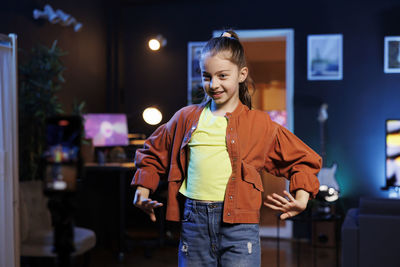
[216,95]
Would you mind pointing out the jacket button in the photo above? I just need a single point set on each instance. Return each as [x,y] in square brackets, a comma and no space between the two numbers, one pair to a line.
[233,141]
[229,214]
[233,178]
[230,197]
[231,129]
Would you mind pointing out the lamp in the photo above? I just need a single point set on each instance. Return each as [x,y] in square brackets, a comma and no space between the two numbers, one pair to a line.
[157,42]
[152,115]
[329,191]
[329,188]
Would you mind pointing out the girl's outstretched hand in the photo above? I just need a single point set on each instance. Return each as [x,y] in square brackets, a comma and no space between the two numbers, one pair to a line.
[290,206]
[143,202]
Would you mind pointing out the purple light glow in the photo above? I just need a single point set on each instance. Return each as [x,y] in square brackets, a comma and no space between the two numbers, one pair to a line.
[279,116]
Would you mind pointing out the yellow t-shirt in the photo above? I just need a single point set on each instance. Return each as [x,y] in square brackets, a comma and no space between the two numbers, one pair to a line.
[209,165]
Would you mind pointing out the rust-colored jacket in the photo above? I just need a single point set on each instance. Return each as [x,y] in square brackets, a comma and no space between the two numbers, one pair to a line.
[253,141]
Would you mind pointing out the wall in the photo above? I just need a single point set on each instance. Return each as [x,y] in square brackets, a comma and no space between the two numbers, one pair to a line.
[86,61]
[358,105]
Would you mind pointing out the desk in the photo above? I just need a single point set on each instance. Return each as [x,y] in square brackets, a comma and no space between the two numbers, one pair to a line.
[122,169]
[110,165]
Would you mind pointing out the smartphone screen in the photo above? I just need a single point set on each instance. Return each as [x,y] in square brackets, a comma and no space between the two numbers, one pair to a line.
[62,154]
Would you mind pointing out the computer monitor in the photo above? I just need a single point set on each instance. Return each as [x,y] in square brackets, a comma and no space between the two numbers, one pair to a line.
[106,130]
[392,153]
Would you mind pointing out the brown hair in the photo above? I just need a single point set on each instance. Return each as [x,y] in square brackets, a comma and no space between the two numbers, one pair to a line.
[229,41]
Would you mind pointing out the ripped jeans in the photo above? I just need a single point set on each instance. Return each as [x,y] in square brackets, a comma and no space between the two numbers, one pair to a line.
[207,241]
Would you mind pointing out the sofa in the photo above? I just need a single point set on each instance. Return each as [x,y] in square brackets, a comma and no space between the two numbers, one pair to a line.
[370,234]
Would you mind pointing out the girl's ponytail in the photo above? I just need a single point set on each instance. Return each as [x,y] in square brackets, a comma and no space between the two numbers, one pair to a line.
[244,92]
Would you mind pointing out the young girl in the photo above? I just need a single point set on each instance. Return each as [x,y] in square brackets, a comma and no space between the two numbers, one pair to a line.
[211,154]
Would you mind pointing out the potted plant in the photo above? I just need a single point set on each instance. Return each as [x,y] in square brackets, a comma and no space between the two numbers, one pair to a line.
[40,78]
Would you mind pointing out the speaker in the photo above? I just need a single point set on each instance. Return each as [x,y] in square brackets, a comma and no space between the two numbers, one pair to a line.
[324,233]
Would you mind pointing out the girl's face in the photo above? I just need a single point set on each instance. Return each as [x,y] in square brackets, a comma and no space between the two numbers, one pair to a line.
[221,79]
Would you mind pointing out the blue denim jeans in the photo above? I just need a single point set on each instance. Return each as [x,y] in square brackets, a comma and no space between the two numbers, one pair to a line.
[207,241]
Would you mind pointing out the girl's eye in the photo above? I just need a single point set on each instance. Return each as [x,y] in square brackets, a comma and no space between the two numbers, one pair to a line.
[222,75]
[206,78]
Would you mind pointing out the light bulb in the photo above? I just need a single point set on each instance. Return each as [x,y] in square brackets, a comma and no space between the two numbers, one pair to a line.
[154,44]
[323,188]
[152,116]
[157,42]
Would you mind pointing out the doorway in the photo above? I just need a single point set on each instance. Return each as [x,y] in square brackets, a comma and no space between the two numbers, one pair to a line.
[270,56]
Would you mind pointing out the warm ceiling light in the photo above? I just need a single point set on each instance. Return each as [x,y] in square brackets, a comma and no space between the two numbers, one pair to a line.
[152,116]
[154,44]
[157,42]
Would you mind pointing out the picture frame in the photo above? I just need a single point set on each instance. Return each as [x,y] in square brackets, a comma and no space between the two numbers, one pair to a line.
[325,57]
[195,92]
[391,57]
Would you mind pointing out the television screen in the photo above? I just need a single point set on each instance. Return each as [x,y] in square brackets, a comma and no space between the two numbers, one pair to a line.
[106,129]
[393,153]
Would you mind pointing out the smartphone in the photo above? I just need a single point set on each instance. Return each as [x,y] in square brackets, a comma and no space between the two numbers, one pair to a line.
[62,159]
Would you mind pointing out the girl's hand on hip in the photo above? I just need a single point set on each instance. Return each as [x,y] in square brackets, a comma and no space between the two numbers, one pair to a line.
[146,204]
[290,206]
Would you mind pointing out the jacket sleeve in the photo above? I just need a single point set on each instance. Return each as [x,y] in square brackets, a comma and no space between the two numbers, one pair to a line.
[291,158]
[152,160]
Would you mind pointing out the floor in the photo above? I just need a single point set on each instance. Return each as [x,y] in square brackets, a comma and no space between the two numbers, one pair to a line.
[166,256]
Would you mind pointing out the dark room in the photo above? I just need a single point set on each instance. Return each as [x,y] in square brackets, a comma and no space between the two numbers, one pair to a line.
[108,109]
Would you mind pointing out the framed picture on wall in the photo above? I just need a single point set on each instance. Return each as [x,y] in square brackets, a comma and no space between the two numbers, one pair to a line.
[195,88]
[392,54]
[325,57]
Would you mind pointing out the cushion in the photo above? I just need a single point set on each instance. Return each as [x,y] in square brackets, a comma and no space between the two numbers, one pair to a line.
[35,212]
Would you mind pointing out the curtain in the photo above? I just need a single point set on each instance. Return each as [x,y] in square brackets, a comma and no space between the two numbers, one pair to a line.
[9,230]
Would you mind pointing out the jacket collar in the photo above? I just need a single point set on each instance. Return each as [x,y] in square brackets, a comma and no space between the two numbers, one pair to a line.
[239,108]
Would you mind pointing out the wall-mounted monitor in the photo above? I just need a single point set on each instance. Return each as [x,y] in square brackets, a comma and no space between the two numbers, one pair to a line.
[393,153]
[106,130]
